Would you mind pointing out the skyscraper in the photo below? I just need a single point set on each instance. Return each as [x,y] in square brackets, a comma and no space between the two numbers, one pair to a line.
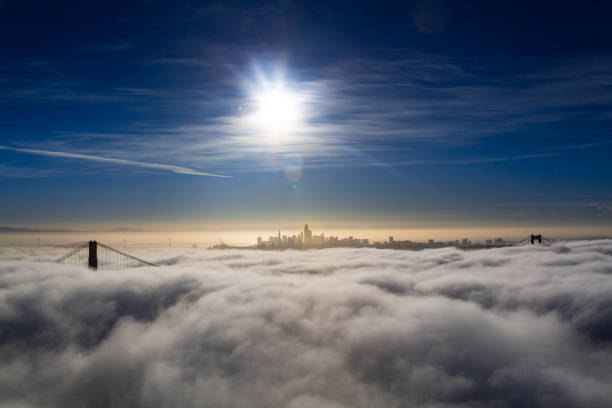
[307,234]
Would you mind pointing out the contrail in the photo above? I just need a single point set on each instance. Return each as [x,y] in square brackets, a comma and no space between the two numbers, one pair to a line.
[167,167]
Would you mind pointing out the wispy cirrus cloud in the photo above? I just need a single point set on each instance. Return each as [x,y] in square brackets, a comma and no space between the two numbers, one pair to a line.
[399,110]
[393,109]
[124,162]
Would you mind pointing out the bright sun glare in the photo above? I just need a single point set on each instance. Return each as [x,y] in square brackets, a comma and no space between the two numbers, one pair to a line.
[277,109]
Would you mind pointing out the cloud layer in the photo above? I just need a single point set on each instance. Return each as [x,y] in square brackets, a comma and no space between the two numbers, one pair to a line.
[513,327]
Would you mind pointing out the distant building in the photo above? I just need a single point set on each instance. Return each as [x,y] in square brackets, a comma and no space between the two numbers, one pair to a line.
[307,235]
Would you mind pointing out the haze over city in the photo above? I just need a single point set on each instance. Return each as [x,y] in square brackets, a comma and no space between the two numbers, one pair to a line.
[305,204]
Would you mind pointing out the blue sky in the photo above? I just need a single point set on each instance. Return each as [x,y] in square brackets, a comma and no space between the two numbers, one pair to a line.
[414,113]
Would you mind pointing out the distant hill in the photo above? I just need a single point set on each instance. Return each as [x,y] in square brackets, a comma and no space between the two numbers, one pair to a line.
[19,229]
[6,230]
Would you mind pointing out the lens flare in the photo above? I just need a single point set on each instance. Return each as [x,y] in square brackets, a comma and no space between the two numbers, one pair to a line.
[292,164]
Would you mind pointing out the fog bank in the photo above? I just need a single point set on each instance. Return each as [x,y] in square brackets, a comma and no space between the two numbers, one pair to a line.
[509,327]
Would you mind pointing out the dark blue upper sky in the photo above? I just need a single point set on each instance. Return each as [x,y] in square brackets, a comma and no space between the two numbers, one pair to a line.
[426,112]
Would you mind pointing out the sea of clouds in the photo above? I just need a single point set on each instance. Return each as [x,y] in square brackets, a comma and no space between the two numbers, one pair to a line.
[510,327]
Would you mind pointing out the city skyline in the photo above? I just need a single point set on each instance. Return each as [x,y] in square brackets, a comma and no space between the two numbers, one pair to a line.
[241,237]
[307,240]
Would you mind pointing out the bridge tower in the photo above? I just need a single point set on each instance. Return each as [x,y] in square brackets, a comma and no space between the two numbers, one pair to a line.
[535,238]
[100,256]
[93,255]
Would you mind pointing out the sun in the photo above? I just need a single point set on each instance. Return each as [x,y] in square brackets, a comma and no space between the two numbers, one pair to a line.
[277,109]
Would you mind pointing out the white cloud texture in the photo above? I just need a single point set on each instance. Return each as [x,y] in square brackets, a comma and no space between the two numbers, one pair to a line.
[123,162]
[512,327]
